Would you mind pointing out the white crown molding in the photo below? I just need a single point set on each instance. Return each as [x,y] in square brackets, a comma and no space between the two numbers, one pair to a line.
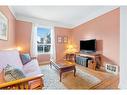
[12,11]
[95,15]
[42,21]
[45,22]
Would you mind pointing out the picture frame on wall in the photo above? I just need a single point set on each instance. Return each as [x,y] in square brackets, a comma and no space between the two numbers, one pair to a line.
[59,39]
[65,39]
[3,27]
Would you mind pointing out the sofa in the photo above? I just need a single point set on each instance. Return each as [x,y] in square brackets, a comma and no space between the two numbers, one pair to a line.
[33,79]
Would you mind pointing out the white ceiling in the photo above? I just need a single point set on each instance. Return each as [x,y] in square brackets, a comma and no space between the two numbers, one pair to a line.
[66,16]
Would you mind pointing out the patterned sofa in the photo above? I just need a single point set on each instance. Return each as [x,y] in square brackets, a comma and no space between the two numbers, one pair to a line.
[33,79]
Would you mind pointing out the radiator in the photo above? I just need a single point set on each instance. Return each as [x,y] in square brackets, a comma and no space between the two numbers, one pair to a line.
[111,68]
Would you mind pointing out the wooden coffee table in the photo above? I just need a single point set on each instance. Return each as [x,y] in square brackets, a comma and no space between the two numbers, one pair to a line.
[63,66]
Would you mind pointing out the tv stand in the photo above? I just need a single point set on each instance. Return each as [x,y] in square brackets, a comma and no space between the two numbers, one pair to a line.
[95,56]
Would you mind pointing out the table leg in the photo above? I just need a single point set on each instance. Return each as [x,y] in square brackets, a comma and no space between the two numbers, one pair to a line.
[74,72]
[60,75]
[50,65]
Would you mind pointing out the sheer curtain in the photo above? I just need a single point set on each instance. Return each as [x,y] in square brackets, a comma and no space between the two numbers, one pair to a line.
[53,47]
[33,47]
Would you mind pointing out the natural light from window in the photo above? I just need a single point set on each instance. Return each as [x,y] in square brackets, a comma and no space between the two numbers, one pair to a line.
[43,40]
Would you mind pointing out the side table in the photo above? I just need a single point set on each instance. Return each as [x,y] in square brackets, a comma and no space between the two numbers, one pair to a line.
[70,56]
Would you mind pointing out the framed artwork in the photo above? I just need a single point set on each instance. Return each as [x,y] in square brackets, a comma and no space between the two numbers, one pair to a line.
[3,27]
[65,39]
[59,39]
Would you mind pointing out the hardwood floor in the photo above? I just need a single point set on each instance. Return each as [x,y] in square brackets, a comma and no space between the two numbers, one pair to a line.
[110,82]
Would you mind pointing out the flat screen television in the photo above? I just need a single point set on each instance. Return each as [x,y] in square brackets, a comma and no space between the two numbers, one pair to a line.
[88,45]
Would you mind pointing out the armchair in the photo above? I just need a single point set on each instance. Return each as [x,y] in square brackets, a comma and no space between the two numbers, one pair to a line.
[31,70]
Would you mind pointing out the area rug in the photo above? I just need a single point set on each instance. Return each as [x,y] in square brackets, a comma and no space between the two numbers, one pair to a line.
[83,80]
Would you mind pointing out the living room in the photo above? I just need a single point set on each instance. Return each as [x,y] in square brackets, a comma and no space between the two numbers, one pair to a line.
[103,26]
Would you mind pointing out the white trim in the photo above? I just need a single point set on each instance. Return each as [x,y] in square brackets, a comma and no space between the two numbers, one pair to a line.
[12,11]
[44,63]
[42,26]
[42,22]
[44,53]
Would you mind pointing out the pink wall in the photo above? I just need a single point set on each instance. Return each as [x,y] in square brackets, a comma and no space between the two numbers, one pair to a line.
[60,48]
[23,35]
[44,57]
[10,43]
[106,29]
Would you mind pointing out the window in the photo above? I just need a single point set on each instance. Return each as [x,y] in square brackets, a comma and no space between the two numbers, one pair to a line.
[43,40]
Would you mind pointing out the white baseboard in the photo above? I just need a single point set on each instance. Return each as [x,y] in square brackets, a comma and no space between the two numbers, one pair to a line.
[44,62]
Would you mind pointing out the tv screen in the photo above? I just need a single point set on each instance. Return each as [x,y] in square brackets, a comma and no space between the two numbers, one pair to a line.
[88,45]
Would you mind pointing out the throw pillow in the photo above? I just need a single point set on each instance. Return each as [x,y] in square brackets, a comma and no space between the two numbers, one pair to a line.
[25,58]
[11,73]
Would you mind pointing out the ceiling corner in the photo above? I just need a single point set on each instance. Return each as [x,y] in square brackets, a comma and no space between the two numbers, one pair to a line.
[12,11]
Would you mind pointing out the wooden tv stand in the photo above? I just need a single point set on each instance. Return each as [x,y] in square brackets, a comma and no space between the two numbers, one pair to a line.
[96,57]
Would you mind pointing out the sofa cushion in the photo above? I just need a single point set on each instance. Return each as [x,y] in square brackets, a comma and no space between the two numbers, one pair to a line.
[11,73]
[31,68]
[25,58]
[10,57]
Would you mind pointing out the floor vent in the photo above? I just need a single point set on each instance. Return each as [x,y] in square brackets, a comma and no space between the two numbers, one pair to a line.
[112,69]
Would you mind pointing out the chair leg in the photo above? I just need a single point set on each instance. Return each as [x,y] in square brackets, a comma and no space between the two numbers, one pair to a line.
[42,83]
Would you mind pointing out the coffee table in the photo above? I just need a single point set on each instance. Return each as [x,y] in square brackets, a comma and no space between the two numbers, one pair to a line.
[63,66]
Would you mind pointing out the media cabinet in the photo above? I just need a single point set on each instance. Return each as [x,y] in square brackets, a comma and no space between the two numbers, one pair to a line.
[93,57]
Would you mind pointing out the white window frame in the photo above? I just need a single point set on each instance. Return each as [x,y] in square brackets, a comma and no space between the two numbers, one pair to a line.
[48,27]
